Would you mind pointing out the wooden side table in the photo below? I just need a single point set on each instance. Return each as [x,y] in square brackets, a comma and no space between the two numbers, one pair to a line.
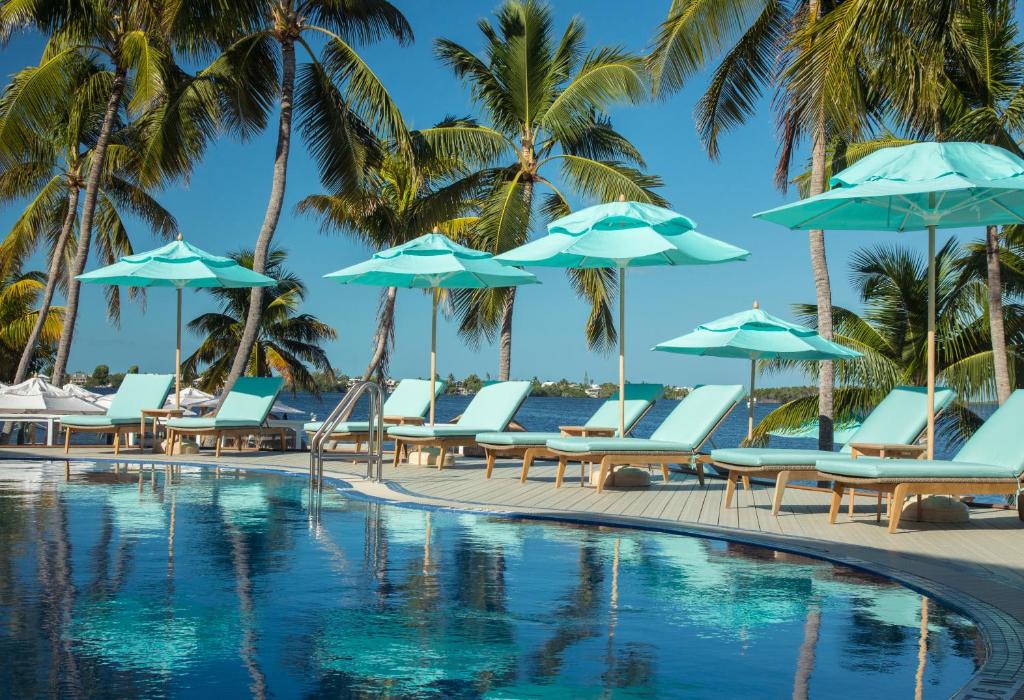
[155,414]
[884,450]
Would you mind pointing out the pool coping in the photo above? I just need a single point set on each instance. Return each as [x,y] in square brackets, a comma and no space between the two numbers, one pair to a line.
[1000,676]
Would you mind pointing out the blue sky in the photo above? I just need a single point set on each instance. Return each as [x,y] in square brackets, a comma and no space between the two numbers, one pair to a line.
[221,209]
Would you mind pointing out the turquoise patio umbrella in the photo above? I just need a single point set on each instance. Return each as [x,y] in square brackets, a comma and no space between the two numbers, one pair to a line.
[432,261]
[177,264]
[915,187]
[619,235]
[756,335]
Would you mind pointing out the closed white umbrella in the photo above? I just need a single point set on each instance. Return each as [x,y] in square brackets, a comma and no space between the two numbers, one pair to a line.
[38,396]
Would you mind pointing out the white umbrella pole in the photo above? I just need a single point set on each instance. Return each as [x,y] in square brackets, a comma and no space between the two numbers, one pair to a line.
[177,359]
[750,403]
[931,341]
[433,352]
[622,352]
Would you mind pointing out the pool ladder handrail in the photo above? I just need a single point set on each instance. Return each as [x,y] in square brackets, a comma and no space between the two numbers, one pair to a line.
[341,412]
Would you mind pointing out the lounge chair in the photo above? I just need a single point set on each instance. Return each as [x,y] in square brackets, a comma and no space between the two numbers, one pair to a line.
[244,412]
[491,410]
[406,405]
[138,392]
[533,445]
[899,420]
[677,440]
[991,462]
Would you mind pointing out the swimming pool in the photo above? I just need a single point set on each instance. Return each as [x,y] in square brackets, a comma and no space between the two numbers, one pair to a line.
[118,583]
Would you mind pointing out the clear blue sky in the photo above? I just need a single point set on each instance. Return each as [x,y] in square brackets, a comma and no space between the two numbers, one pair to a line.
[221,209]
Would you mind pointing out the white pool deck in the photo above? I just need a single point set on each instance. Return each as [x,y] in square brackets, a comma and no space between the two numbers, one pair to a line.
[977,567]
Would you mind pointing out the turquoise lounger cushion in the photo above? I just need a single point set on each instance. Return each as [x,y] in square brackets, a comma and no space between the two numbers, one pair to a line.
[349,426]
[770,457]
[697,414]
[411,398]
[204,423]
[584,445]
[138,392]
[493,407]
[250,400]
[512,438]
[97,421]
[639,398]
[997,441]
[428,431]
[869,468]
[900,417]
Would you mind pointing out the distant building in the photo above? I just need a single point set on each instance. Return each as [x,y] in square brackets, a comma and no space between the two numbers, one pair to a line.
[78,378]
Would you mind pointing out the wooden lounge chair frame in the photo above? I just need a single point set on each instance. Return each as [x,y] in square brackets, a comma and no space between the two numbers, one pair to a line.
[529,453]
[174,435]
[640,458]
[115,430]
[902,488]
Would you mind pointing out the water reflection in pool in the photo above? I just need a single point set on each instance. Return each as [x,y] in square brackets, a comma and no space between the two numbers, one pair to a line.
[125,583]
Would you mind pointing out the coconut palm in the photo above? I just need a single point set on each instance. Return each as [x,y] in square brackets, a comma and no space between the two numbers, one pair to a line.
[891,333]
[288,343]
[544,102]
[338,98]
[128,37]
[19,299]
[410,193]
[51,176]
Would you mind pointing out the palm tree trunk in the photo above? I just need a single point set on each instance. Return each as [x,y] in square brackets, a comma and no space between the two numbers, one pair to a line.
[383,338]
[52,276]
[92,186]
[995,314]
[270,219]
[819,268]
[505,339]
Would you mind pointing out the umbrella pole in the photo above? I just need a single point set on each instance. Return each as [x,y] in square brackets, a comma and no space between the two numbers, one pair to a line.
[433,352]
[931,342]
[622,352]
[177,359]
[750,403]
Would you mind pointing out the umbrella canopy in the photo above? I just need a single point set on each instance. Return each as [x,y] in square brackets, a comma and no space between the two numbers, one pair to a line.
[433,261]
[38,396]
[756,335]
[619,235]
[920,186]
[177,264]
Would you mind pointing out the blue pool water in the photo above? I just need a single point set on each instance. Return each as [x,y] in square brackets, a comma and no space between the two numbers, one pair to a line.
[117,583]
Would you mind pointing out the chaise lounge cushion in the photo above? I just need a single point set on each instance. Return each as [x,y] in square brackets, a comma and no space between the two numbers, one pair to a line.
[246,406]
[434,431]
[583,445]
[97,421]
[516,438]
[212,423]
[343,428]
[871,468]
[771,457]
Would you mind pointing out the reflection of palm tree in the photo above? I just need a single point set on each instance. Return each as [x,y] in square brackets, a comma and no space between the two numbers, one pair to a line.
[805,659]
[247,618]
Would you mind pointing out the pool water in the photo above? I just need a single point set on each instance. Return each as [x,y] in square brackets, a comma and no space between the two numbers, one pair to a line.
[127,583]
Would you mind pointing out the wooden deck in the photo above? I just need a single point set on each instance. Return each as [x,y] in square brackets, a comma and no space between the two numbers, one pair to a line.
[977,567]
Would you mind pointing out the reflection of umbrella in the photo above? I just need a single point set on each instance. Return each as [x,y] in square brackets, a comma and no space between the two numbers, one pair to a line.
[432,261]
[619,235]
[924,185]
[38,396]
[756,335]
[177,265]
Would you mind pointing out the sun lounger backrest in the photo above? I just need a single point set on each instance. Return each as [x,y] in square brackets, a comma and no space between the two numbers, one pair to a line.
[493,407]
[138,392]
[639,398]
[900,417]
[998,441]
[250,399]
[411,398]
[698,413]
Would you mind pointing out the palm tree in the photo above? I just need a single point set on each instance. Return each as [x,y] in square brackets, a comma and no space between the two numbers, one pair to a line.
[338,97]
[51,177]
[891,333]
[754,42]
[408,194]
[127,36]
[545,103]
[19,298]
[287,343]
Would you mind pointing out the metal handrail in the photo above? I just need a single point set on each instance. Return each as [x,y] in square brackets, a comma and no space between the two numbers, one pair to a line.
[375,443]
